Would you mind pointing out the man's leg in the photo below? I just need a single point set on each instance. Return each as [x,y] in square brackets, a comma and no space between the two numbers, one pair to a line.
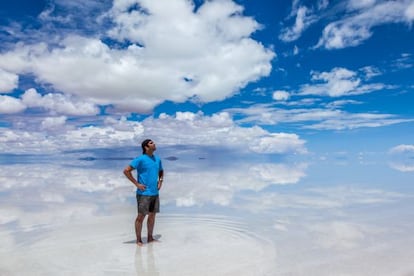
[150,226]
[138,228]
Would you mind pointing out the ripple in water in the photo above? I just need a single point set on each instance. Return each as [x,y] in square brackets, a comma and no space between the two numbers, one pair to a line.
[189,245]
[205,245]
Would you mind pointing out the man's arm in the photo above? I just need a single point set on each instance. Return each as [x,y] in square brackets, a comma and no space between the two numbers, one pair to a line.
[128,173]
[160,179]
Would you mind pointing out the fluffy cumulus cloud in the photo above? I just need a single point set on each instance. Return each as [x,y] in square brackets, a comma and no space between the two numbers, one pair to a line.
[175,53]
[221,130]
[144,53]
[197,129]
[8,81]
[52,103]
[60,135]
[10,105]
[53,122]
[365,15]
[59,103]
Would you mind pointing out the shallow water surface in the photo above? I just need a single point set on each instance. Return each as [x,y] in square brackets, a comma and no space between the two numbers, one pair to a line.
[264,218]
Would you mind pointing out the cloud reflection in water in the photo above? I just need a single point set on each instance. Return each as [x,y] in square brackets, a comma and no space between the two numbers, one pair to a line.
[233,217]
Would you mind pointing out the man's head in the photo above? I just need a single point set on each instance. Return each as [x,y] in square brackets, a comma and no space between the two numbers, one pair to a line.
[148,146]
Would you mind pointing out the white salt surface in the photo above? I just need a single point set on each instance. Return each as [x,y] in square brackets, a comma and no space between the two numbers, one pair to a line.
[72,220]
[106,246]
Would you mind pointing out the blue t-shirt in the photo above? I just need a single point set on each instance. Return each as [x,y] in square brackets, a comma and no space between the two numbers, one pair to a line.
[147,168]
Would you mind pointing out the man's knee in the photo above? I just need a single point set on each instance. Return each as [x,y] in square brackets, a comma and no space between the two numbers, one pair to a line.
[151,216]
[140,217]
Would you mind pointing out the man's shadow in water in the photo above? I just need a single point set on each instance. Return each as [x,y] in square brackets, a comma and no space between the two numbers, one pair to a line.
[144,240]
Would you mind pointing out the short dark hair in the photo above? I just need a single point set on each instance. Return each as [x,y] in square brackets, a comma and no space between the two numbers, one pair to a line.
[144,144]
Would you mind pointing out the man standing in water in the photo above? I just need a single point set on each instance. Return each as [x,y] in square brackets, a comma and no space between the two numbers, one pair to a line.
[148,182]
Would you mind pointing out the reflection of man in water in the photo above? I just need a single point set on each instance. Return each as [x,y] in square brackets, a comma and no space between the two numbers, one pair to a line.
[148,183]
[145,264]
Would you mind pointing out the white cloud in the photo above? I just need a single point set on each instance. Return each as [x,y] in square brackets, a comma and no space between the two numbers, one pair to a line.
[40,216]
[218,130]
[10,105]
[338,82]
[339,103]
[402,158]
[279,173]
[9,214]
[301,23]
[295,50]
[345,196]
[59,103]
[409,12]
[175,40]
[72,179]
[403,62]
[281,95]
[402,167]
[97,137]
[318,198]
[370,72]
[218,185]
[304,18]
[47,196]
[47,15]
[358,120]
[190,183]
[64,137]
[123,124]
[278,143]
[402,149]
[19,141]
[339,235]
[53,122]
[360,4]
[328,118]
[8,81]
[357,28]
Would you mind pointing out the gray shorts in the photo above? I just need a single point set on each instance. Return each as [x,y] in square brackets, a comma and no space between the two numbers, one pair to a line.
[148,204]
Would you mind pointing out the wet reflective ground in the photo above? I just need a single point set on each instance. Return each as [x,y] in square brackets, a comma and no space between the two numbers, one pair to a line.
[220,215]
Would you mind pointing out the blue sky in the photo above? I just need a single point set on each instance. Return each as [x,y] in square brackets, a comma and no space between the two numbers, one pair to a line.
[293,115]
[261,77]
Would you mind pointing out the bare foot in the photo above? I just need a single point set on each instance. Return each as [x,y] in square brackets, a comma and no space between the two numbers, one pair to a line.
[140,243]
[151,239]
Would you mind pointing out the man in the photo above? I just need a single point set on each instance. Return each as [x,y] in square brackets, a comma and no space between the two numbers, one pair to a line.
[148,182]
